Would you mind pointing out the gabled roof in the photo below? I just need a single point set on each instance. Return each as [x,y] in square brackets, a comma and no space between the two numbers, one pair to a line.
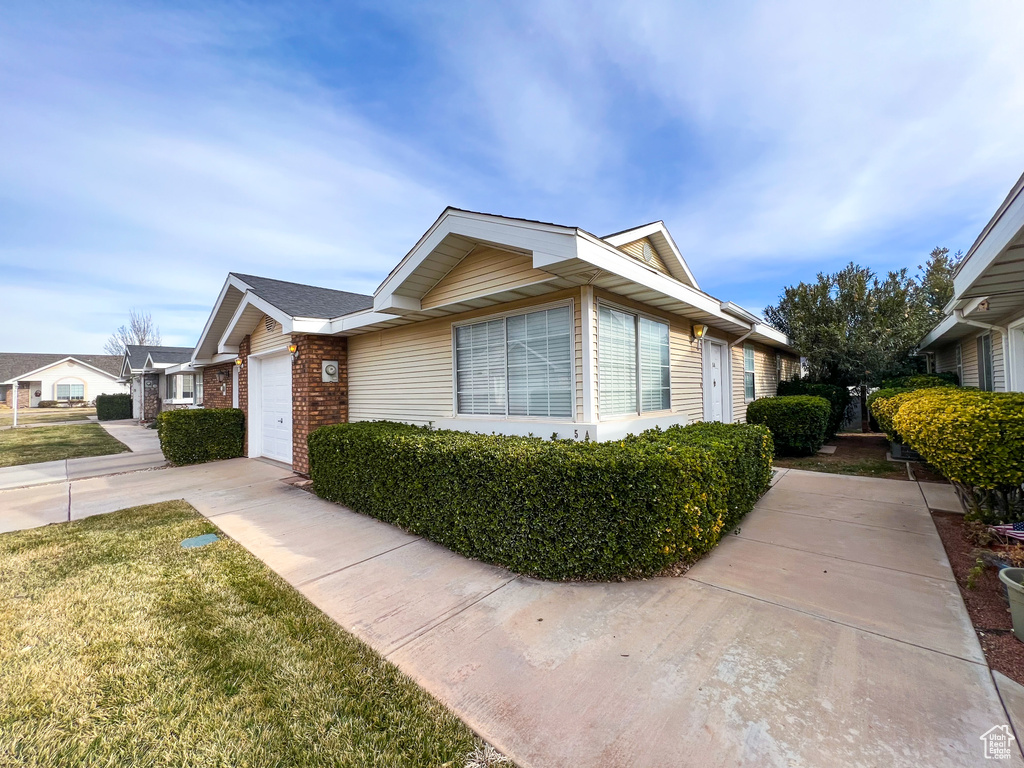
[298,300]
[136,355]
[657,233]
[14,365]
[298,307]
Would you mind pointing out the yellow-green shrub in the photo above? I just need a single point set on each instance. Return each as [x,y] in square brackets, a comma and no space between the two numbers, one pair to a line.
[886,402]
[976,439]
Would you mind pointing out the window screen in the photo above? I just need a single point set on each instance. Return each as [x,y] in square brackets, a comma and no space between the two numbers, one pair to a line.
[655,384]
[617,375]
[480,368]
[540,381]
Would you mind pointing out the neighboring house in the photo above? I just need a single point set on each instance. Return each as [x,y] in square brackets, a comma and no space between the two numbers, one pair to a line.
[160,378]
[63,378]
[981,337]
[492,324]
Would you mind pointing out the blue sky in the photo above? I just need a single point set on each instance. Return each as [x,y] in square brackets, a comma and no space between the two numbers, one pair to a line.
[146,149]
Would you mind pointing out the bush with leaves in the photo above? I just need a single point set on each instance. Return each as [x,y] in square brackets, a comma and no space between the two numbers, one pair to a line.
[838,399]
[196,435]
[798,423]
[976,439]
[110,407]
[552,509]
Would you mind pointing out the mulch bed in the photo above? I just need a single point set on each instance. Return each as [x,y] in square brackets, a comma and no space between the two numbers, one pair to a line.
[986,605]
[861,453]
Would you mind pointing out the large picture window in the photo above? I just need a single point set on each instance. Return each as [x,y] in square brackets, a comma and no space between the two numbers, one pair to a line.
[71,392]
[633,363]
[179,386]
[520,365]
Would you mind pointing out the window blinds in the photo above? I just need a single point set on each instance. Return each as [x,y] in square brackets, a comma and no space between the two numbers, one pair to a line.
[617,377]
[655,384]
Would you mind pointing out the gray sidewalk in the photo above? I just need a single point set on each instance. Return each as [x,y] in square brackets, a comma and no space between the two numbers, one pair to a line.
[145,454]
[828,631]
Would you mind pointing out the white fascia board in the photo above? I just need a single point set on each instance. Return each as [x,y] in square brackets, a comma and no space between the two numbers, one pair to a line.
[359,320]
[170,370]
[396,305]
[24,376]
[218,358]
[264,306]
[988,249]
[947,324]
[610,259]
[316,325]
[230,282]
[737,311]
[655,227]
[518,234]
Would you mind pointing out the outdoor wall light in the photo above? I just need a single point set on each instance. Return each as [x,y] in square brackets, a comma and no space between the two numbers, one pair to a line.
[294,352]
[222,376]
[238,361]
[699,331]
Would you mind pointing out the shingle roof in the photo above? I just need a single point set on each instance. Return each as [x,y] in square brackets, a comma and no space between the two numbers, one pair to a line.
[137,354]
[299,300]
[14,364]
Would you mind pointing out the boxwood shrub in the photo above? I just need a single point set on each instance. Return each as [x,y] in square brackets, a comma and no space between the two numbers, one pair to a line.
[976,439]
[838,400]
[922,381]
[109,407]
[203,434]
[744,450]
[798,423]
[552,509]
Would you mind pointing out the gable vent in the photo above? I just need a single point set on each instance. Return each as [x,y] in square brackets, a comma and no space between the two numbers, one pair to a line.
[270,324]
[648,252]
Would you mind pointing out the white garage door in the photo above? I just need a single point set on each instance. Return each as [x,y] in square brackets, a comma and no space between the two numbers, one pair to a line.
[276,406]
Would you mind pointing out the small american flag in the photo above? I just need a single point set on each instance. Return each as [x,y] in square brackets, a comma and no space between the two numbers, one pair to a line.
[1013,531]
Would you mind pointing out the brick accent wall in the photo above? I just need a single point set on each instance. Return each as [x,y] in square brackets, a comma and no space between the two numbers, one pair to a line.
[150,396]
[217,393]
[24,392]
[243,389]
[314,402]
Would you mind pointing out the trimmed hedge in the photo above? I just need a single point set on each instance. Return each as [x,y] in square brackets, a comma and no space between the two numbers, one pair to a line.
[798,423]
[744,450]
[976,439]
[552,509]
[838,400]
[110,407]
[922,381]
[203,434]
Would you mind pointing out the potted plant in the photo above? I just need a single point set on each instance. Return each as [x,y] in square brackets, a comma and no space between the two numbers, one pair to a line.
[1013,578]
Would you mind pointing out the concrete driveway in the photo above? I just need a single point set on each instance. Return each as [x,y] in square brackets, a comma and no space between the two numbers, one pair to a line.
[827,631]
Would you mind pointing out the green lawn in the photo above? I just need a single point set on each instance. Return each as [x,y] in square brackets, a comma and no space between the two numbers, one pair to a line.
[45,415]
[120,648]
[72,441]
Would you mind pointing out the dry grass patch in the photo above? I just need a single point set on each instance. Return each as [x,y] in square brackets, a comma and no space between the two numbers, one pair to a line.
[34,444]
[118,647]
[45,415]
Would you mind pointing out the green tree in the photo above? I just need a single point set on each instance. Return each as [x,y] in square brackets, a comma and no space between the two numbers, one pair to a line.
[937,280]
[853,327]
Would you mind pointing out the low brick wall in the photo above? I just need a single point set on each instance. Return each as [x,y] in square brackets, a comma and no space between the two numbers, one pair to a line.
[316,403]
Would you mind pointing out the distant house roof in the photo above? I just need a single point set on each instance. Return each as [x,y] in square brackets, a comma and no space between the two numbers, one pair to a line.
[137,354]
[299,300]
[16,364]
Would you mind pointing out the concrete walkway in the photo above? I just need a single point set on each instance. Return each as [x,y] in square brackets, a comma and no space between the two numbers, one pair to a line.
[828,631]
[145,454]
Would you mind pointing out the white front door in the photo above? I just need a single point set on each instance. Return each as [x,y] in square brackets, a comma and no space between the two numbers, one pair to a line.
[276,408]
[715,381]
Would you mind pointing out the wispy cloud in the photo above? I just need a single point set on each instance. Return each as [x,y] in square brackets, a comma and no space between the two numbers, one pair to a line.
[149,151]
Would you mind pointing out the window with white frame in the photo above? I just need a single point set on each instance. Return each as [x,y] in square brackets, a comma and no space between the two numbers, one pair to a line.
[70,392]
[985,377]
[634,374]
[179,386]
[959,365]
[748,372]
[518,365]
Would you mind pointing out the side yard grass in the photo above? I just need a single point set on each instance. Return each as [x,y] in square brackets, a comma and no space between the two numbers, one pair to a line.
[70,441]
[119,647]
[45,415]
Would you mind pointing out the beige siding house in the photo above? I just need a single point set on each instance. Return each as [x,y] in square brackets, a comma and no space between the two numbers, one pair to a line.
[494,324]
[981,336]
